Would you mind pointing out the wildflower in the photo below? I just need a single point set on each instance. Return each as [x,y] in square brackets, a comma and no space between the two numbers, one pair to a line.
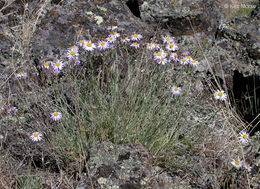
[115,34]
[103,45]
[89,46]
[247,167]
[82,42]
[21,74]
[176,90]
[220,95]
[56,71]
[174,56]
[167,39]
[36,136]
[75,62]
[136,37]
[184,61]
[55,116]
[162,61]
[156,46]
[47,64]
[111,39]
[189,59]
[72,53]
[75,48]
[150,46]
[159,55]
[194,63]
[243,137]
[12,110]
[125,40]
[58,65]
[136,45]
[172,47]
[237,163]
[185,53]
[1,137]
[112,27]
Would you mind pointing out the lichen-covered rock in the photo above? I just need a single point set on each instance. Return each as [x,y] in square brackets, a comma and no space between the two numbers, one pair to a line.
[123,166]
[74,20]
[177,15]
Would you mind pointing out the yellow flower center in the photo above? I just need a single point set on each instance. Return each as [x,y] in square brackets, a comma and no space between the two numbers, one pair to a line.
[162,59]
[81,42]
[72,53]
[47,64]
[159,54]
[89,44]
[155,44]
[244,136]
[247,166]
[167,39]
[171,45]
[220,94]
[176,89]
[194,61]
[35,135]
[135,35]
[188,57]
[183,60]
[237,162]
[135,44]
[0,137]
[56,114]
[58,64]
[21,73]
[102,44]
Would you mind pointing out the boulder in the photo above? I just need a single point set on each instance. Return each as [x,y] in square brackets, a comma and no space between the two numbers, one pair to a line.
[123,166]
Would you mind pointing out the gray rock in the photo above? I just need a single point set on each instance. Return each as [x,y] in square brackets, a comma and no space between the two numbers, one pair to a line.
[123,166]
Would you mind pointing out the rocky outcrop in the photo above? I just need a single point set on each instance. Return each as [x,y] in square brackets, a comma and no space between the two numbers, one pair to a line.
[123,166]
[177,16]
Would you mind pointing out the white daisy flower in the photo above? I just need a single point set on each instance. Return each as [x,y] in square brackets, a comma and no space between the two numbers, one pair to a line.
[89,46]
[189,59]
[159,55]
[247,167]
[244,137]
[75,48]
[174,56]
[72,53]
[111,39]
[220,95]
[171,47]
[36,136]
[1,137]
[58,65]
[81,43]
[135,45]
[55,116]
[237,163]
[162,61]
[186,53]
[184,61]
[115,35]
[12,110]
[194,63]
[167,39]
[103,45]
[157,46]
[176,90]
[125,40]
[136,37]
[47,64]
[21,75]
[150,46]
[112,27]
[74,62]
